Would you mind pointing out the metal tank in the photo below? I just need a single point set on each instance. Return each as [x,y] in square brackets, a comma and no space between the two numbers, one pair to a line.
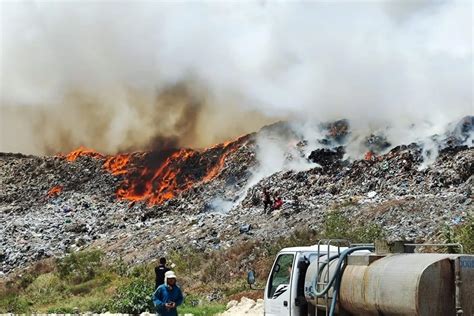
[401,284]
[311,283]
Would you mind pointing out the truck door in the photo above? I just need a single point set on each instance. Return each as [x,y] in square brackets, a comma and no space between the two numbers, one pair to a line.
[299,306]
[278,291]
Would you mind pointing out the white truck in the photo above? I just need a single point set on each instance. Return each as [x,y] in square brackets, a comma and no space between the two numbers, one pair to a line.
[359,280]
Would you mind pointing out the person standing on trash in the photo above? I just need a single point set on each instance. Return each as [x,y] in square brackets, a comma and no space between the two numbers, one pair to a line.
[277,204]
[267,200]
[160,271]
[168,296]
[296,203]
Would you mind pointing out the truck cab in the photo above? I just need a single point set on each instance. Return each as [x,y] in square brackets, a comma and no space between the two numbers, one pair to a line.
[284,291]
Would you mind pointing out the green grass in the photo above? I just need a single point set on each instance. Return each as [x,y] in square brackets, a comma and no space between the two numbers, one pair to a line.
[12,303]
[207,310]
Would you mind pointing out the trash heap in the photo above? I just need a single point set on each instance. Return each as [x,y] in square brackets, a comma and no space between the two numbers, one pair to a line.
[49,205]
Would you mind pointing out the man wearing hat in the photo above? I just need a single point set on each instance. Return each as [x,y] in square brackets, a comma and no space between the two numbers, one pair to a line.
[168,296]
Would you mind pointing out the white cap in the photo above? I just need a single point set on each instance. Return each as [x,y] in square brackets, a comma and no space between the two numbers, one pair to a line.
[170,275]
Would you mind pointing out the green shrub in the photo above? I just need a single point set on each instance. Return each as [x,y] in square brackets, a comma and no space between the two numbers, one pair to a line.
[367,233]
[120,267]
[133,298]
[336,225]
[45,289]
[142,271]
[462,233]
[26,279]
[465,234]
[14,303]
[187,260]
[79,267]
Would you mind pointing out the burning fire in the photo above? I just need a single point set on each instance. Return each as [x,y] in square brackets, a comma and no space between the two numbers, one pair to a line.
[55,191]
[156,177]
[369,156]
[117,165]
[83,151]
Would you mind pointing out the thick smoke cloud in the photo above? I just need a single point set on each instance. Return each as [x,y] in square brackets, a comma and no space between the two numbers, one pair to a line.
[124,75]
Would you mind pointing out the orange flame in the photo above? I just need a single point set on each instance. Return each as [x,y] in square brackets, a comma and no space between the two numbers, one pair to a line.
[55,191]
[369,156]
[156,180]
[117,165]
[215,171]
[83,151]
[157,185]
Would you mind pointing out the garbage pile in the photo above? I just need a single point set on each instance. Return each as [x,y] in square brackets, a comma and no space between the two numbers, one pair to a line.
[49,205]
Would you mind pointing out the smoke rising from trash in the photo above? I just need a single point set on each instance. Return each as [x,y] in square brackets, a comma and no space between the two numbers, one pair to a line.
[118,76]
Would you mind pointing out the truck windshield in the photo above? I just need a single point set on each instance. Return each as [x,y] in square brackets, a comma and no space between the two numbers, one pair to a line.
[281,273]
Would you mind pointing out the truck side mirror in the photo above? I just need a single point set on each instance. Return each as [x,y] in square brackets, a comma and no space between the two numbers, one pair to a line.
[251,277]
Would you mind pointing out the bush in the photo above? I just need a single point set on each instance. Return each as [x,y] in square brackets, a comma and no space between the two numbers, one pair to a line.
[367,233]
[26,279]
[133,298]
[188,260]
[142,271]
[462,233]
[120,267]
[336,225]
[46,288]
[79,266]
[14,304]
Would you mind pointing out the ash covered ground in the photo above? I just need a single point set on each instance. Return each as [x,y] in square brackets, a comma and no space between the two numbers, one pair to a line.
[215,206]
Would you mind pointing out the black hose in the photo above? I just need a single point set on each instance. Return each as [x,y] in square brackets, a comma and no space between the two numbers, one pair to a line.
[337,276]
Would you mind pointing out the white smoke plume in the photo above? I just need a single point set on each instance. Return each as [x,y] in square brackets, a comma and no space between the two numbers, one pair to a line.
[100,73]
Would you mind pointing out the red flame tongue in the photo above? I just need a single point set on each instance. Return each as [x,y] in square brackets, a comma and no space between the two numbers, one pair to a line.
[83,151]
[117,165]
[55,191]
[155,177]
[158,180]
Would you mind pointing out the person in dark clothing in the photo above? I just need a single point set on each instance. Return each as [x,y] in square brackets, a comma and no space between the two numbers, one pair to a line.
[160,271]
[168,296]
[296,203]
[267,200]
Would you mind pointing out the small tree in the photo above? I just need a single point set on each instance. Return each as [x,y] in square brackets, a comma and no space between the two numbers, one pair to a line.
[134,297]
[79,267]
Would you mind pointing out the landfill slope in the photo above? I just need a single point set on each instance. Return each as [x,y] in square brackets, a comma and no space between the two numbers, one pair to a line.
[392,189]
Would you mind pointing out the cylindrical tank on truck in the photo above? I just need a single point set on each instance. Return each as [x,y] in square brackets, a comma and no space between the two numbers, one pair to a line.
[304,281]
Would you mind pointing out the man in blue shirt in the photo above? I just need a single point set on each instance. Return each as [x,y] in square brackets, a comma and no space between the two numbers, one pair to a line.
[168,296]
